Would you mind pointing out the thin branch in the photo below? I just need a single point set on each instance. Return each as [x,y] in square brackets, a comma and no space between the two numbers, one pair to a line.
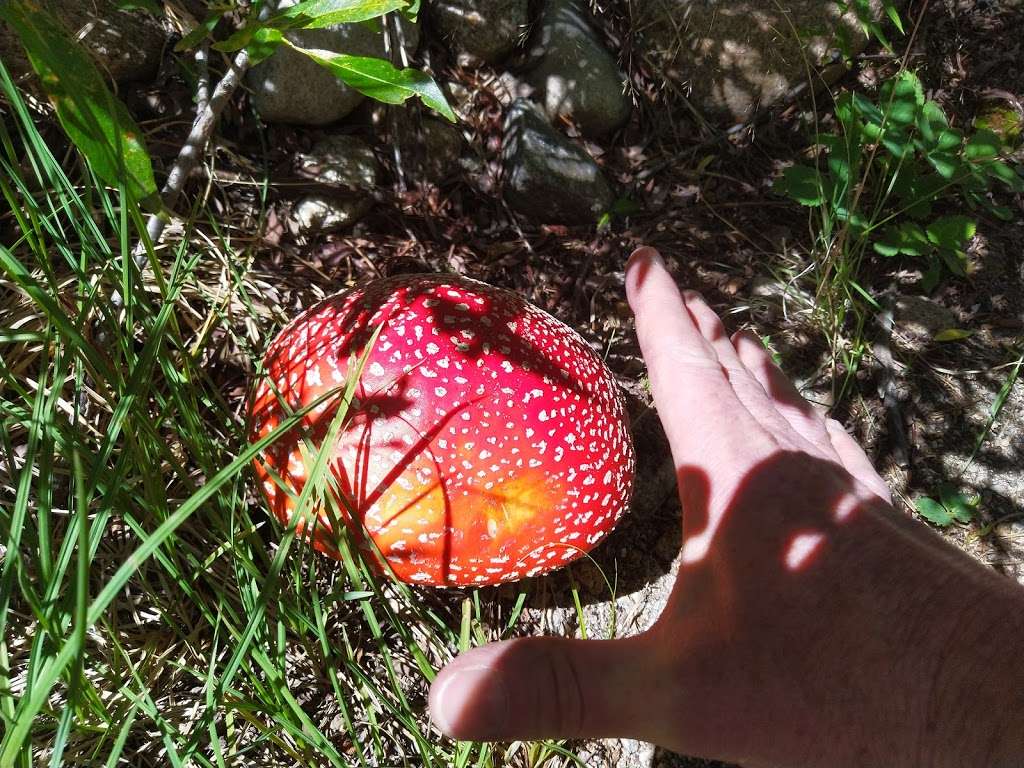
[208,110]
[203,85]
[192,153]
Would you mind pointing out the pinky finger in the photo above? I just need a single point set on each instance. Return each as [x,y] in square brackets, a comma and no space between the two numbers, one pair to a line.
[855,460]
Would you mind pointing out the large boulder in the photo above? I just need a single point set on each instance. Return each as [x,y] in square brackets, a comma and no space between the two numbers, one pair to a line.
[127,45]
[486,30]
[574,74]
[289,87]
[547,177]
[735,57]
[346,171]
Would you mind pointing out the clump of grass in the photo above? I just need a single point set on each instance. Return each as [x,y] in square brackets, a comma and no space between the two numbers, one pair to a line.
[151,613]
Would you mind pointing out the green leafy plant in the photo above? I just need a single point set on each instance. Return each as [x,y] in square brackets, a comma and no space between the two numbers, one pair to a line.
[893,179]
[952,506]
[141,609]
[888,167]
[374,77]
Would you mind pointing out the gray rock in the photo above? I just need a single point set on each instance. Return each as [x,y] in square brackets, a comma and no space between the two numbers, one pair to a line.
[347,169]
[289,87]
[574,74]
[547,177]
[735,57]
[486,30]
[916,320]
[127,45]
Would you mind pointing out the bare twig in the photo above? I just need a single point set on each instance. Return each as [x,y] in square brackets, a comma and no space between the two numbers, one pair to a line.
[208,109]
[203,85]
[191,153]
[394,44]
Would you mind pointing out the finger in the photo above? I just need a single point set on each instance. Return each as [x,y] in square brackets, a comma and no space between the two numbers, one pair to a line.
[693,395]
[746,386]
[852,456]
[548,687]
[800,414]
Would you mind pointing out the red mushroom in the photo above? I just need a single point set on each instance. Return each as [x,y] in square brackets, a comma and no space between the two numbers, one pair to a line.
[486,441]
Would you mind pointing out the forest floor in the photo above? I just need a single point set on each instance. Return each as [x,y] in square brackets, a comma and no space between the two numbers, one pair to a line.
[704,199]
[930,413]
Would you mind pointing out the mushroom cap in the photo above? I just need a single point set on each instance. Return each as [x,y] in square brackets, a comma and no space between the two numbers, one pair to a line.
[486,441]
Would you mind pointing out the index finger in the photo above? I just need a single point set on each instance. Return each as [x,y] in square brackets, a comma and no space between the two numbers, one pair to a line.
[696,403]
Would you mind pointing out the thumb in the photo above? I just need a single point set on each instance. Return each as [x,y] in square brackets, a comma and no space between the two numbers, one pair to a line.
[548,687]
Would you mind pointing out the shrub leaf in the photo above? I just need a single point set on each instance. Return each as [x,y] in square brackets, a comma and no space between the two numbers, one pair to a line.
[96,122]
[381,80]
[803,184]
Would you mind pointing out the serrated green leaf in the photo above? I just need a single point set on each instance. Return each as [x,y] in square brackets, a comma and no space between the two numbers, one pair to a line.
[907,238]
[845,110]
[317,14]
[931,275]
[873,131]
[916,187]
[96,122]
[897,141]
[801,183]
[839,165]
[955,261]
[1005,174]
[945,164]
[931,122]
[953,232]
[381,80]
[960,507]
[933,511]
[983,145]
[863,106]
[949,140]
[953,334]
[901,98]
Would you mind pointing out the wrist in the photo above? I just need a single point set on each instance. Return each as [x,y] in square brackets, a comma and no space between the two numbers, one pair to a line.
[936,677]
[975,712]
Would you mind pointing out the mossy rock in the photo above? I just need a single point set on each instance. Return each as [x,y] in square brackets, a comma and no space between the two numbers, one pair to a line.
[1005,122]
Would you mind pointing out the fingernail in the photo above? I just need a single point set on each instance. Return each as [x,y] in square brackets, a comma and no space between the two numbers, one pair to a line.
[471,703]
[645,253]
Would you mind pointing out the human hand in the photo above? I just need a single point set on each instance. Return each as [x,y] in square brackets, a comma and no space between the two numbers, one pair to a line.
[810,623]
